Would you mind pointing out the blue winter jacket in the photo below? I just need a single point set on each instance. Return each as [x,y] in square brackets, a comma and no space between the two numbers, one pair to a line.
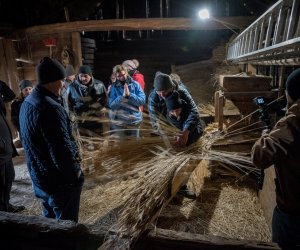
[77,92]
[51,152]
[126,110]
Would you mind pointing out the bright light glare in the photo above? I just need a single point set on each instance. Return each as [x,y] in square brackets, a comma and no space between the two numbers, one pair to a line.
[203,14]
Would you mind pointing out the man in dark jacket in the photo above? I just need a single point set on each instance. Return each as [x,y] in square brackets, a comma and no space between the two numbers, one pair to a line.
[185,117]
[280,147]
[87,95]
[25,88]
[51,151]
[7,152]
[164,87]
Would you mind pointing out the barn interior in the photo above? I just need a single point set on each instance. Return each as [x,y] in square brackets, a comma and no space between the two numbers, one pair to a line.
[241,54]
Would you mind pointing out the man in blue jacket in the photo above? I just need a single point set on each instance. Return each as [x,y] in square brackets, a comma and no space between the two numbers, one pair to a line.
[51,151]
[87,95]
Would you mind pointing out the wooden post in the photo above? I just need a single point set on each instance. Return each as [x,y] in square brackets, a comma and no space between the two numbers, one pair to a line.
[216,106]
[280,81]
[76,46]
[219,103]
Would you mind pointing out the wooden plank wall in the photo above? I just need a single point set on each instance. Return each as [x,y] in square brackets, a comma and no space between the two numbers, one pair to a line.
[8,72]
[34,50]
[267,196]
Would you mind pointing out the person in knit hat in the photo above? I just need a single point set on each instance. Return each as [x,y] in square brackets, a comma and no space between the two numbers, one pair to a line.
[164,86]
[52,154]
[180,114]
[280,148]
[131,66]
[71,77]
[26,88]
[88,96]
[173,103]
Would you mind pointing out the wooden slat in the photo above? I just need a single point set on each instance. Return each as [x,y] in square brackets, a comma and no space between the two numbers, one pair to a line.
[161,239]
[140,24]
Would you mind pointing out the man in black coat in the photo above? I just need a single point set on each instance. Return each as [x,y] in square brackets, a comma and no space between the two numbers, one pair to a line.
[7,152]
[51,151]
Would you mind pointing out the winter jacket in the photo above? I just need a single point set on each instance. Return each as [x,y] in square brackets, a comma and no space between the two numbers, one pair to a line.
[126,110]
[281,148]
[6,95]
[157,107]
[189,120]
[138,77]
[7,148]
[15,111]
[81,96]
[51,152]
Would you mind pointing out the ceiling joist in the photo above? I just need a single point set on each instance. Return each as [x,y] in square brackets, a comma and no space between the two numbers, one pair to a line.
[140,24]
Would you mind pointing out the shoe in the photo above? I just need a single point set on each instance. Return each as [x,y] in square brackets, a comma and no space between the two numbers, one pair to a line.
[184,191]
[15,209]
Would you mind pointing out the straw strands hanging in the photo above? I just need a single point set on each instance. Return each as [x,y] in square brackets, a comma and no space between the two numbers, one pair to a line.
[149,164]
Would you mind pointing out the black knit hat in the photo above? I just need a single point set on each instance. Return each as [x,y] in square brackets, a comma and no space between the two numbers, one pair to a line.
[293,85]
[85,69]
[70,70]
[50,70]
[162,82]
[24,84]
[173,101]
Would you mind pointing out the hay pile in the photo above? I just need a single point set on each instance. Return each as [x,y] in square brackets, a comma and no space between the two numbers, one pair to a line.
[128,186]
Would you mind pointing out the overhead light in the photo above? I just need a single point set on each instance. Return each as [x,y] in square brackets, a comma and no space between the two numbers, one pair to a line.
[203,14]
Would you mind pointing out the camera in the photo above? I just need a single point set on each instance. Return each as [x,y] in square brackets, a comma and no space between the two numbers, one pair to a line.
[263,110]
[259,101]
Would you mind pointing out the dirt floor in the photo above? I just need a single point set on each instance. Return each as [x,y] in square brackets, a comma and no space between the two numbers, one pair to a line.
[224,206]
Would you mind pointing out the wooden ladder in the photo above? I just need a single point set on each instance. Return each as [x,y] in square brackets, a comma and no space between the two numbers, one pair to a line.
[273,37]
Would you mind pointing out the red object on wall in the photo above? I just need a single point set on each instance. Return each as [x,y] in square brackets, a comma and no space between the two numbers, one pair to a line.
[49,42]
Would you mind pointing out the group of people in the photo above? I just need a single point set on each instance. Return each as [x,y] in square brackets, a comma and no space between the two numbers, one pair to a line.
[42,117]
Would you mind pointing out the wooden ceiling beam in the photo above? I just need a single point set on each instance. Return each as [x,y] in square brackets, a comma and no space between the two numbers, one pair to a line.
[140,24]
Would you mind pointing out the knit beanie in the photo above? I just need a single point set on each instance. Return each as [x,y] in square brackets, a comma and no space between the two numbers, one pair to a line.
[173,101]
[85,69]
[162,82]
[129,65]
[70,70]
[293,85]
[50,70]
[24,84]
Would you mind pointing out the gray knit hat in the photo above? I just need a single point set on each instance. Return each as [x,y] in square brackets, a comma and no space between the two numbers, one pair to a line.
[85,69]
[162,82]
[24,84]
[129,65]
[293,85]
[50,70]
[70,70]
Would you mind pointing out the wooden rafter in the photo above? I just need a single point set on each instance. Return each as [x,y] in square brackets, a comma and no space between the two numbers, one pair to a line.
[139,24]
